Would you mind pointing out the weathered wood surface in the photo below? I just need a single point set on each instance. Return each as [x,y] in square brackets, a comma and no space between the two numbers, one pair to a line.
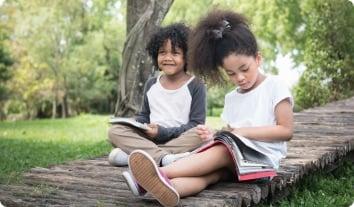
[322,136]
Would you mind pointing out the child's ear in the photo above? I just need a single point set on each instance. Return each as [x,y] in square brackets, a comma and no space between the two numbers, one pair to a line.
[258,59]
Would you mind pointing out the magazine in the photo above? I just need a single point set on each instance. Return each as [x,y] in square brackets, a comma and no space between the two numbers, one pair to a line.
[249,162]
[128,121]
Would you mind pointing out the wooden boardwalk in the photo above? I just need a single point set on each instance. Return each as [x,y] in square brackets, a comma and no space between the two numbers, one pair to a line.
[322,137]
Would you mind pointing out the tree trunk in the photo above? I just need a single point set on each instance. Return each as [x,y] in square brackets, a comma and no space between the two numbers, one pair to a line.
[54,103]
[65,105]
[143,18]
[64,108]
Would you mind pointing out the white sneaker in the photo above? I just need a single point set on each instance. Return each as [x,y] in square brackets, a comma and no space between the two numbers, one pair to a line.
[118,157]
[170,158]
[134,187]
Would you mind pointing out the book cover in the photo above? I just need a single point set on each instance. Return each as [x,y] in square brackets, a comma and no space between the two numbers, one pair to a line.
[246,169]
[128,121]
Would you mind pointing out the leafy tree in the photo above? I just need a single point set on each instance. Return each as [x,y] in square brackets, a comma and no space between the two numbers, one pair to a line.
[72,50]
[216,96]
[328,52]
[31,89]
[76,43]
[5,65]
[184,11]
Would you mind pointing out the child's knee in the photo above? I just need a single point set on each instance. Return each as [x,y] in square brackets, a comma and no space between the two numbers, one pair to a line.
[112,132]
[221,149]
[191,132]
[115,131]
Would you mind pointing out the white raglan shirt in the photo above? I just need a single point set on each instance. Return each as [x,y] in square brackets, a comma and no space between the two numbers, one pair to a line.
[257,108]
[169,108]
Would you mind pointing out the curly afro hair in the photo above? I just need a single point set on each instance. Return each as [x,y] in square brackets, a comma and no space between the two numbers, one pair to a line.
[217,35]
[178,35]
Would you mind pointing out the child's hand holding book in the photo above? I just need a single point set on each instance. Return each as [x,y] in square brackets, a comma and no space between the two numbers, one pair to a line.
[152,130]
[205,133]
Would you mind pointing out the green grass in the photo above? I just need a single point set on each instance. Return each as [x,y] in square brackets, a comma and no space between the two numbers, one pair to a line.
[323,189]
[28,144]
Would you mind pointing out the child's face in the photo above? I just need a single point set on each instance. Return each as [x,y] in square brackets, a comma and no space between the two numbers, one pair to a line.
[243,70]
[169,61]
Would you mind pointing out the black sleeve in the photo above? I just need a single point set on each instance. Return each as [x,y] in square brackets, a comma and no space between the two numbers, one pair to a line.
[197,113]
[144,115]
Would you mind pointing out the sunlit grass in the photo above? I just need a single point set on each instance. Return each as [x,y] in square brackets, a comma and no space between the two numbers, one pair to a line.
[27,144]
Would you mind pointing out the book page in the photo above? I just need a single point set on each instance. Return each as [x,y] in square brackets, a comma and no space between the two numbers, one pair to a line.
[128,121]
[246,156]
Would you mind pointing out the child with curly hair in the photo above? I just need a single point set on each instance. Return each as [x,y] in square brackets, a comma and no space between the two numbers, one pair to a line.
[174,103]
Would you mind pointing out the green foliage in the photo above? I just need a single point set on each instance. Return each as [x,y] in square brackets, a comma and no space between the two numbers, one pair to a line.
[70,53]
[311,90]
[30,88]
[328,52]
[5,63]
[5,67]
[184,11]
[215,98]
[214,111]
[5,70]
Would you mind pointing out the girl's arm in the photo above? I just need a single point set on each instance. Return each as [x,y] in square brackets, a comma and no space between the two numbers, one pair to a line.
[282,131]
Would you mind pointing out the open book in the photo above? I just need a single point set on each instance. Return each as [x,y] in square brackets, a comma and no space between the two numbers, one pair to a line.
[249,162]
[128,121]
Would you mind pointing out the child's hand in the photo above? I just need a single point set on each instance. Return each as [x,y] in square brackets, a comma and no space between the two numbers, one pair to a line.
[205,133]
[152,131]
[227,128]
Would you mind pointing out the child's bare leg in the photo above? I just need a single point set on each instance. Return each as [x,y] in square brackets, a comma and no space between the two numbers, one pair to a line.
[200,164]
[187,186]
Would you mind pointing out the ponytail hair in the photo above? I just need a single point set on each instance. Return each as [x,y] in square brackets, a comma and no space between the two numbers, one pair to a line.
[215,37]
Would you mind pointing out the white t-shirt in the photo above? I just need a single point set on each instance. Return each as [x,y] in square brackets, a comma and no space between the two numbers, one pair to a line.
[169,108]
[257,108]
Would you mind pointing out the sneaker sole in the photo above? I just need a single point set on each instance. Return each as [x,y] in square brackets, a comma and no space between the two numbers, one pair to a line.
[145,171]
[131,184]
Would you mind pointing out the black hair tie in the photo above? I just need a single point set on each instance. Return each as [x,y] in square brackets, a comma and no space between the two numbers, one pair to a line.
[218,33]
